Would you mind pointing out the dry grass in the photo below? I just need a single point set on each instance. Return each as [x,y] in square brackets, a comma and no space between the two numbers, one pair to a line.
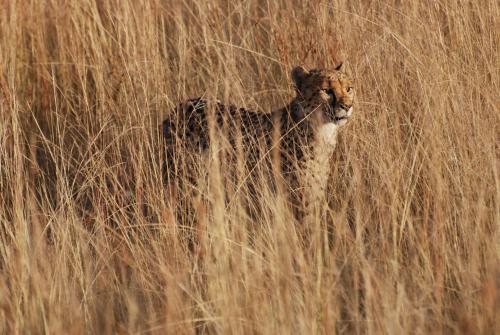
[413,209]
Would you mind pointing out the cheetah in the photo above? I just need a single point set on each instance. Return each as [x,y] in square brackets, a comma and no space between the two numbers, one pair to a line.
[298,137]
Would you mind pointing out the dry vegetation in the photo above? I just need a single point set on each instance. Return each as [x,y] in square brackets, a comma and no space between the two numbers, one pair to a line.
[407,243]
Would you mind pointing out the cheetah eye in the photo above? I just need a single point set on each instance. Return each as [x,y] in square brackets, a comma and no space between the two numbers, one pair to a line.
[349,89]
[328,91]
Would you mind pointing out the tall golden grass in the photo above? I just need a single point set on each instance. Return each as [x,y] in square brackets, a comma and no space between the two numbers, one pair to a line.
[408,241]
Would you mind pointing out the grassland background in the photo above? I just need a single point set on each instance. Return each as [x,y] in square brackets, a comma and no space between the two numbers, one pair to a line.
[413,203]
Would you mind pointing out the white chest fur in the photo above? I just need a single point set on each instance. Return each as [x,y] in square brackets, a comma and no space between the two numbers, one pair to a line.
[318,165]
[327,134]
[318,169]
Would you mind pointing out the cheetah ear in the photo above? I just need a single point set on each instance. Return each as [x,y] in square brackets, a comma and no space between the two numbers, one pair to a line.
[298,76]
[339,66]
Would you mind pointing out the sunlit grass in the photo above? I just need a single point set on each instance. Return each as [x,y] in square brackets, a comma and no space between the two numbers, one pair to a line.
[407,242]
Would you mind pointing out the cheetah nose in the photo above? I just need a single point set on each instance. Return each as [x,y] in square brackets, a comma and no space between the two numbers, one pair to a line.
[345,106]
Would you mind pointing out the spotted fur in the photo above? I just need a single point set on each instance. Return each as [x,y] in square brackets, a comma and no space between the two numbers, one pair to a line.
[303,133]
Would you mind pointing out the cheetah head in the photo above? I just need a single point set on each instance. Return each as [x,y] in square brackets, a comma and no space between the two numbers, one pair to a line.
[325,95]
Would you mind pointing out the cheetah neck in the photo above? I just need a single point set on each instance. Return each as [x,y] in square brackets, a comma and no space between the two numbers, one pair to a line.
[327,134]
[295,117]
